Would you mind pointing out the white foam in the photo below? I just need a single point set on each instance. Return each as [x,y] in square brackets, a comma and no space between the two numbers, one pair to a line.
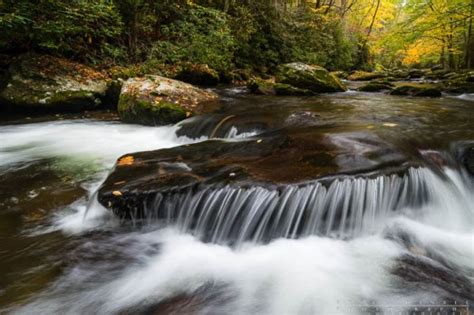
[81,144]
[310,276]
[466,96]
[100,142]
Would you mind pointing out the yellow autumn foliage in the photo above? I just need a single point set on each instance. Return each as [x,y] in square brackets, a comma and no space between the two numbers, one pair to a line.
[420,51]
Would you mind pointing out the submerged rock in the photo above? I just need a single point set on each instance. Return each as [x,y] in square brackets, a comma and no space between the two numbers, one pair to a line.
[45,83]
[308,77]
[417,90]
[156,100]
[199,75]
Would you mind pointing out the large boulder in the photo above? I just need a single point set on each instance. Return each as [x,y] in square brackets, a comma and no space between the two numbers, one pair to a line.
[156,100]
[45,83]
[421,90]
[308,77]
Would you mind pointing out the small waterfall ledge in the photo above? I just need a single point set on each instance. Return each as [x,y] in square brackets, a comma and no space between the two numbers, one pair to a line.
[342,208]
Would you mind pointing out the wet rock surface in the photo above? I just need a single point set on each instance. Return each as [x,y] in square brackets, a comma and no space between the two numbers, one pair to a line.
[268,160]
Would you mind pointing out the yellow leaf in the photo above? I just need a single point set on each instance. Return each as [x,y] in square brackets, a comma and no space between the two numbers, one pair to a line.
[126,160]
[116,193]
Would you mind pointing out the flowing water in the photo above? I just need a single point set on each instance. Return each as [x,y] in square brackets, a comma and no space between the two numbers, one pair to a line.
[345,245]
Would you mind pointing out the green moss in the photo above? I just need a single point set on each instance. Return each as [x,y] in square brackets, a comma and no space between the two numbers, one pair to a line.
[366,76]
[286,89]
[417,90]
[375,87]
[144,111]
[313,78]
[261,87]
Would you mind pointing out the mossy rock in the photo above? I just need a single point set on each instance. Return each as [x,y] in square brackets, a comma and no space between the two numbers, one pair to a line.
[459,86]
[438,74]
[261,87]
[45,83]
[157,100]
[340,74]
[461,83]
[376,87]
[146,112]
[268,87]
[386,80]
[417,73]
[309,77]
[289,90]
[366,76]
[398,74]
[417,90]
[199,75]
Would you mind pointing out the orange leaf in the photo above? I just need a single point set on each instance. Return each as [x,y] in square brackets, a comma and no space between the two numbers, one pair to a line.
[126,160]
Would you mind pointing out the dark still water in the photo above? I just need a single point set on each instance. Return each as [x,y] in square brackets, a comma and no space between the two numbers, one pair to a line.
[390,228]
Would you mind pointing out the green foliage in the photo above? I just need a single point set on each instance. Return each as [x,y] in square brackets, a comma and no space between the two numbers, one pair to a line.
[85,29]
[320,40]
[201,36]
[162,36]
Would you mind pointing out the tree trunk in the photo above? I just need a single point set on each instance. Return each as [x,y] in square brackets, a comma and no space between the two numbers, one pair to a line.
[363,49]
[442,58]
[469,62]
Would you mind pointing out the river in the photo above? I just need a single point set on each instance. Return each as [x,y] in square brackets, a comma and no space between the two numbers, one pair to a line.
[410,242]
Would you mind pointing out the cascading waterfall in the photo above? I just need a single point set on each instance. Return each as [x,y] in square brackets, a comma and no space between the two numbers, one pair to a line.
[343,208]
[311,275]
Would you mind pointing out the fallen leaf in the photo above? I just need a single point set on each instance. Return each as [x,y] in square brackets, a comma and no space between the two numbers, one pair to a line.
[116,193]
[391,125]
[126,160]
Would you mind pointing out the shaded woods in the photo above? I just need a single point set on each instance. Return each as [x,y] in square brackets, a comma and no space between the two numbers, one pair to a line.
[253,35]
